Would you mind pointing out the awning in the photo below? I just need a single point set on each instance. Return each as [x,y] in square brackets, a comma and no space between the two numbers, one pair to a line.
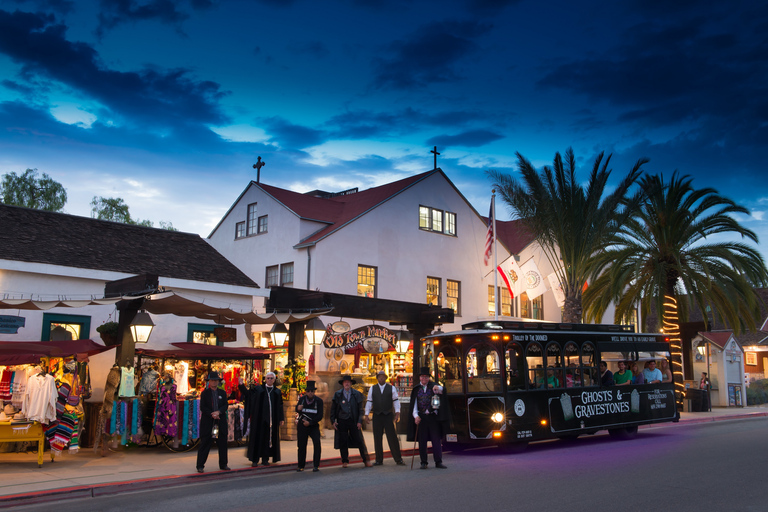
[201,351]
[30,352]
[173,303]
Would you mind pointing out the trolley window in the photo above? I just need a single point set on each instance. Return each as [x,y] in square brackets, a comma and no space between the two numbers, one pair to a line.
[515,367]
[588,364]
[554,366]
[449,369]
[534,359]
[571,362]
[483,369]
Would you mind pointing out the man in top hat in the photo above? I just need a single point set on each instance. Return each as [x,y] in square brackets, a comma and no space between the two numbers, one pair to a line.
[383,400]
[309,411]
[213,411]
[426,423]
[347,419]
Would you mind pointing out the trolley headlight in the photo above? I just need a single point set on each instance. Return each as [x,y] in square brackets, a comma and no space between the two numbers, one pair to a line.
[498,417]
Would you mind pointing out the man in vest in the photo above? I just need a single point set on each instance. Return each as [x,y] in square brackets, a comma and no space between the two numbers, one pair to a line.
[427,424]
[384,402]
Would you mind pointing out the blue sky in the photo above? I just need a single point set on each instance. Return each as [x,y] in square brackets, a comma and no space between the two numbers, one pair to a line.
[167,104]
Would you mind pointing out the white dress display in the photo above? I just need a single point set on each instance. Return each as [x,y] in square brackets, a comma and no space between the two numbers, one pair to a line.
[40,399]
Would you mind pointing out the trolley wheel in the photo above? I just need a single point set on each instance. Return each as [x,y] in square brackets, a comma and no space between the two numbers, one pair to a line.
[513,448]
[568,437]
[631,431]
[623,433]
[168,441]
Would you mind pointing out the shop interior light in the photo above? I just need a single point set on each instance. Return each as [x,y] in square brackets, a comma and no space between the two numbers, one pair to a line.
[403,341]
[263,340]
[141,327]
[279,335]
[315,331]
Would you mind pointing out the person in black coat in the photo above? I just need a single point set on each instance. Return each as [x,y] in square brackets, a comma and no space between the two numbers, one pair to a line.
[347,419]
[425,423]
[264,410]
[309,411]
[213,411]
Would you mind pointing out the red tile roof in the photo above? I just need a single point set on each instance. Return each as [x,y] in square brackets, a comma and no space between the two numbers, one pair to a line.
[719,338]
[513,234]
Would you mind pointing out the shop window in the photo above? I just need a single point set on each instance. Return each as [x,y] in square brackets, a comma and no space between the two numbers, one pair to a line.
[262,224]
[453,293]
[251,219]
[483,370]
[272,277]
[534,360]
[202,334]
[449,369]
[433,291]
[240,229]
[286,274]
[366,281]
[65,327]
[513,358]
[554,366]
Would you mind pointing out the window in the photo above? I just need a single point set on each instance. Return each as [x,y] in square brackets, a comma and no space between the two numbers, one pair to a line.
[202,334]
[533,309]
[433,291]
[240,229]
[589,370]
[65,327]
[450,223]
[515,368]
[449,369]
[453,291]
[437,221]
[534,360]
[483,370]
[251,220]
[366,281]
[506,301]
[262,224]
[272,276]
[631,319]
[491,301]
[554,366]
[286,274]
[572,372]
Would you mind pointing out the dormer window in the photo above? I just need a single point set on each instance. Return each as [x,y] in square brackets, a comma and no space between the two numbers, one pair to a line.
[437,221]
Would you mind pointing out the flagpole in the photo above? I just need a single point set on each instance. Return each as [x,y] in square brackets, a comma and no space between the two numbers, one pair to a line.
[495,260]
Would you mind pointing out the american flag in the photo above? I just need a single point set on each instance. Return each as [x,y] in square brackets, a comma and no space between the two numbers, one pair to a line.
[489,236]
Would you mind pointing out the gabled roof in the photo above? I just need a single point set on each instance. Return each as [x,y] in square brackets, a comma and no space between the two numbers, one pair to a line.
[513,234]
[37,236]
[752,338]
[719,338]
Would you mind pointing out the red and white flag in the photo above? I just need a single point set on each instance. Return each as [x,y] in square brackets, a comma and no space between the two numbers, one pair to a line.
[511,274]
[490,235]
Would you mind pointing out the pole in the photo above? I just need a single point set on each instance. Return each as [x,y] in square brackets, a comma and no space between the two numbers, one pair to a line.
[496,305]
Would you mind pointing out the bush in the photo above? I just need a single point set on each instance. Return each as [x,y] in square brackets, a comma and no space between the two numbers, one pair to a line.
[757,392]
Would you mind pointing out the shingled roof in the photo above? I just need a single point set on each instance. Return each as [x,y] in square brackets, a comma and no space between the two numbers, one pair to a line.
[37,236]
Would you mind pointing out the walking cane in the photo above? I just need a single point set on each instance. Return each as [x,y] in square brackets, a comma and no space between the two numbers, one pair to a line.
[415,440]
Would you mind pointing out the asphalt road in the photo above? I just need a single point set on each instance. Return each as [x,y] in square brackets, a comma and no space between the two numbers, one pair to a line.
[700,467]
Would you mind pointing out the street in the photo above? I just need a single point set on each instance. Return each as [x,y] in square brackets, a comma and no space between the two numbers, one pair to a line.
[699,467]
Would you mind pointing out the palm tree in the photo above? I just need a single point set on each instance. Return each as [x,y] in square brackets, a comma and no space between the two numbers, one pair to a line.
[667,252]
[570,222]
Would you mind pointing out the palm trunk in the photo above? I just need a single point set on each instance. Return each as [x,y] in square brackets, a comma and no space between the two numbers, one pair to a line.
[572,310]
[671,324]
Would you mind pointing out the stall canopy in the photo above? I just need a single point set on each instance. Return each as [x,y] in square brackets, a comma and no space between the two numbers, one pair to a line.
[30,352]
[174,303]
[200,351]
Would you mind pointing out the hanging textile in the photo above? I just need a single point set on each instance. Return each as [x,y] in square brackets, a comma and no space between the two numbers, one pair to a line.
[166,423]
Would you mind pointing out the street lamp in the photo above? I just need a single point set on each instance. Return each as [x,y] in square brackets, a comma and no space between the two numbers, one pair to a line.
[279,335]
[404,339]
[315,331]
[141,327]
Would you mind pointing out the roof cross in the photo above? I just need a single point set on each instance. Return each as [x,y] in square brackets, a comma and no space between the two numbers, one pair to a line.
[258,165]
[434,151]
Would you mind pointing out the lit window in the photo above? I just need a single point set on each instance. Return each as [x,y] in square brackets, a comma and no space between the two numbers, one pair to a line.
[450,223]
[366,281]
[240,229]
[286,274]
[424,217]
[506,301]
[438,221]
[273,273]
[251,220]
[453,291]
[491,301]
[433,291]
[65,327]
[263,224]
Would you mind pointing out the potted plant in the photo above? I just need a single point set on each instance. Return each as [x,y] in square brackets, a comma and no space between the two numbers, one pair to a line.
[108,333]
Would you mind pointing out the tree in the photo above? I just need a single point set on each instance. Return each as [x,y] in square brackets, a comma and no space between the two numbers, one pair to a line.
[32,192]
[116,210]
[570,222]
[667,252]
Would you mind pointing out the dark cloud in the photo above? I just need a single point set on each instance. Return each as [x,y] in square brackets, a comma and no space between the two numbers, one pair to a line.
[291,136]
[165,99]
[60,6]
[117,12]
[470,139]
[429,55]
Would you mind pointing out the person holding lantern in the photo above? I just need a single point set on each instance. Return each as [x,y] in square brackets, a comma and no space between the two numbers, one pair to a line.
[309,411]
[213,422]
[428,420]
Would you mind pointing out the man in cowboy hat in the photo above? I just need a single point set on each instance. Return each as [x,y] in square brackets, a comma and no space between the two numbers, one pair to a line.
[213,411]
[383,400]
[347,420]
[309,411]
[427,421]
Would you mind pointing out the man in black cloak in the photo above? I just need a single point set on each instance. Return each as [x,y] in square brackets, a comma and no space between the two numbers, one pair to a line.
[264,410]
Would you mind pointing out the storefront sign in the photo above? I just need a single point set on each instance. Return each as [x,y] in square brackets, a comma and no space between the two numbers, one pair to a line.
[10,324]
[603,408]
[374,339]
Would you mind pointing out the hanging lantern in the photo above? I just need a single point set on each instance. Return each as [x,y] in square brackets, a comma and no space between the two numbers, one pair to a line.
[404,339]
[315,331]
[279,335]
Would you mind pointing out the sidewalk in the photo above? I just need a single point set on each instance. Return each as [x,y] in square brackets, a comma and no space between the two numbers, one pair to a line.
[86,473]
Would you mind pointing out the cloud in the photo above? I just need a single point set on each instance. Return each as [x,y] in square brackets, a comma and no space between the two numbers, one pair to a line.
[471,138]
[118,12]
[60,6]
[428,55]
[291,136]
[165,99]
